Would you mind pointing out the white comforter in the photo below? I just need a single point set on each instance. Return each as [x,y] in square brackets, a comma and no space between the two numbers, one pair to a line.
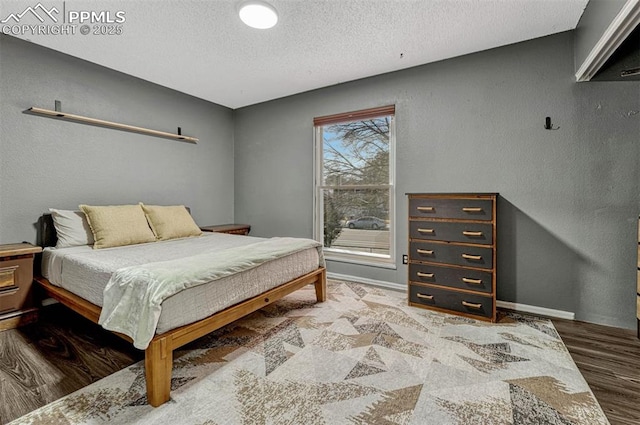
[133,296]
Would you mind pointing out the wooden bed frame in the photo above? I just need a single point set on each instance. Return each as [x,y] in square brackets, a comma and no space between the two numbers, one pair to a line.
[158,360]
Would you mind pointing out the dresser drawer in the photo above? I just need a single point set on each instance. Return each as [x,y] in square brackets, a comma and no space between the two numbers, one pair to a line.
[474,280]
[10,300]
[469,209]
[475,304]
[16,275]
[8,276]
[479,233]
[471,256]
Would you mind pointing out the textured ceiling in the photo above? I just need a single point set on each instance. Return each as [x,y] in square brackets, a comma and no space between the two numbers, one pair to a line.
[203,49]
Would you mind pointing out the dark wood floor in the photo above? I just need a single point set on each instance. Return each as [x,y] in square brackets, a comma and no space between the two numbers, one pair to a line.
[60,354]
[609,360]
[63,352]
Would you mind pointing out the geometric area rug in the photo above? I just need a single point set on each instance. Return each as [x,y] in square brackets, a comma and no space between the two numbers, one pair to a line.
[362,357]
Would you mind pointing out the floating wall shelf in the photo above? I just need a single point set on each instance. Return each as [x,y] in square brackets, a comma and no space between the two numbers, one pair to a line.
[107,124]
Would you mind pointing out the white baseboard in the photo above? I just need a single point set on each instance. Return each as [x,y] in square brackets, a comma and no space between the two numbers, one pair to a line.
[542,311]
[523,308]
[373,282]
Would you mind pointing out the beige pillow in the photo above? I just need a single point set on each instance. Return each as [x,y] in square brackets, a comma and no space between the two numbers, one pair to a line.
[171,222]
[118,225]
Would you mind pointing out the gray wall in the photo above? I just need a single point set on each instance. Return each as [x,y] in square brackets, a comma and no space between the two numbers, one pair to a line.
[594,21]
[570,201]
[570,198]
[49,163]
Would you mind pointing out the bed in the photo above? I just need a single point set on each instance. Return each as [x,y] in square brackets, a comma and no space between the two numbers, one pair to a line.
[77,276]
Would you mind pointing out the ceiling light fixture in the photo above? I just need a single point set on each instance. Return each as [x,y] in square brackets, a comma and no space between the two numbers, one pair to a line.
[258,14]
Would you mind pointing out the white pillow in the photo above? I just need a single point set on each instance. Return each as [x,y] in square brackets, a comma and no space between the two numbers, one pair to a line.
[72,228]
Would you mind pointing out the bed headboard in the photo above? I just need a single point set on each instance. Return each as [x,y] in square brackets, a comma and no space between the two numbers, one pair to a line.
[46,232]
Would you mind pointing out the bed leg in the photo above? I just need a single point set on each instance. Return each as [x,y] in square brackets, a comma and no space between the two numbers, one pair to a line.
[321,287]
[158,362]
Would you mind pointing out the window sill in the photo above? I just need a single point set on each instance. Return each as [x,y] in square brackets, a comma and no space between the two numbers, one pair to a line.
[360,260]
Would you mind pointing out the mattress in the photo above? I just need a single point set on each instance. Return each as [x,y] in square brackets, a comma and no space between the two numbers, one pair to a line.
[85,272]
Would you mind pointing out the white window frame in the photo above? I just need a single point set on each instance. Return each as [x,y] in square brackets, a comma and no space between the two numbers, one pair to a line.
[353,257]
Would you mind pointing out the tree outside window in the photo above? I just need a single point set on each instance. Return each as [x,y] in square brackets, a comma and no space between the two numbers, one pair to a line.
[354,183]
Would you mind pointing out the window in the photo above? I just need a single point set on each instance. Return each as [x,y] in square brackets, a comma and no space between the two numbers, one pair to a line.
[354,185]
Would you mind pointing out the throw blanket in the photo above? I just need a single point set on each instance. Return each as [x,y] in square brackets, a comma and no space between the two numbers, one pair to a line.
[133,296]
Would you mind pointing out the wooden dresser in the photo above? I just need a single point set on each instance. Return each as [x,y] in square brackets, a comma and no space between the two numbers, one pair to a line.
[16,277]
[452,253]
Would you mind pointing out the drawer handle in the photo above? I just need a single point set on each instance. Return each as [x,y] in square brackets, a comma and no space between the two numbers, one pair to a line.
[420,274]
[425,251]
[474,281]
[471,305]
[472,257]
[425,208]
[470,233]
[421,230]
[472,209]
[423,296]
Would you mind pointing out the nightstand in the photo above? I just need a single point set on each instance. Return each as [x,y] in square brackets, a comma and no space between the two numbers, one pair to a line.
[16,277]
[234,229]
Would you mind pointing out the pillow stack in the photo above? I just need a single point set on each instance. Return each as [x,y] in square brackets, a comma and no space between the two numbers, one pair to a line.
[120,225]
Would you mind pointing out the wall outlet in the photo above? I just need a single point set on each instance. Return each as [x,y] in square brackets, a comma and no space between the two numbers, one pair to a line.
[405,259]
